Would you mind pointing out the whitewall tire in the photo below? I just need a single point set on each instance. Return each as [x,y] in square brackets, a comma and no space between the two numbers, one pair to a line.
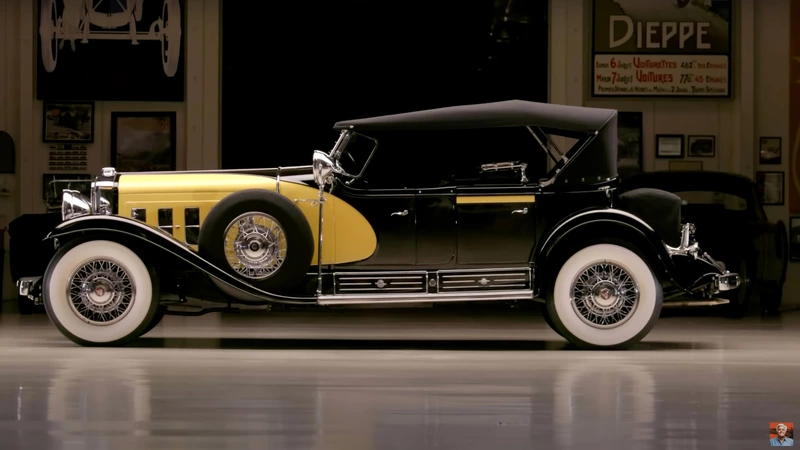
[605,297]
[100,293]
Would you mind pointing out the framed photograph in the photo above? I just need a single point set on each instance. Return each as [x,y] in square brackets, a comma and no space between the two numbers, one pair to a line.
[68,122]
[701,146]
[54,183]
[769,150]
[143,141]
[794,238]
[770,187]
[685,165]
[629,143]
[669,146]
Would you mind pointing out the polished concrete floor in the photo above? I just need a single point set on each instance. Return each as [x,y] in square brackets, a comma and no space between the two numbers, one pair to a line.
[397,379]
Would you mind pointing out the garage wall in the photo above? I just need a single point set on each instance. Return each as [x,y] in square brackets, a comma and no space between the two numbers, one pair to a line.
[21,114]
[759,106]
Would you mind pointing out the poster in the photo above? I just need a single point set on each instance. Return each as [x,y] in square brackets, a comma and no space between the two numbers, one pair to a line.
[794,109]
[661,48]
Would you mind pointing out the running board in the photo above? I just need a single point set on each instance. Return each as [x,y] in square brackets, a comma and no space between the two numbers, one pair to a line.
[682,304]
[363,299]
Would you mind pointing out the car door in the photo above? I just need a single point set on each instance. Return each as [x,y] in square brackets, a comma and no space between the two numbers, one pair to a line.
[435,226]
[392,215]
[495,226]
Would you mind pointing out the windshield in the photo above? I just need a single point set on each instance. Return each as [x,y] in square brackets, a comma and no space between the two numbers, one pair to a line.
[357,154]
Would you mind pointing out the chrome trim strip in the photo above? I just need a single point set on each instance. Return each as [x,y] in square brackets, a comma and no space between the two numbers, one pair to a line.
[494,269]
[380,273]
[352,299]
[278,180]
[242,171]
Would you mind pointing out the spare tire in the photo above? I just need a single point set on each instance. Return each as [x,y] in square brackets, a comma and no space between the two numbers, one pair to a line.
[259,236]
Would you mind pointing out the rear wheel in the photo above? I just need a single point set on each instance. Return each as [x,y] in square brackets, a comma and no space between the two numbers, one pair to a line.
[604,297]
[100,293]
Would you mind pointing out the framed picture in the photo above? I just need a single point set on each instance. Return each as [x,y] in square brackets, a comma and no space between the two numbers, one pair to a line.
[794,238]
[54,183]
[701,146]
[120,50]
[143,141]
[769,150]
[685,165]
[770,187]
[629,143]
[68,122]
[669,146]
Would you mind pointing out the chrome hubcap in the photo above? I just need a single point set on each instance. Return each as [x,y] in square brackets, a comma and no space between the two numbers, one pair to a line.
[255,245]
[101,292]
[604,295]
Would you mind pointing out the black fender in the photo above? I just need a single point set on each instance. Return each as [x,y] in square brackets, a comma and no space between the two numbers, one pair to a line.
[159,241]
[601,224]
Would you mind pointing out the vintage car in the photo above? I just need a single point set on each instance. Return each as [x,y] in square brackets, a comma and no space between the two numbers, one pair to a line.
[416,219]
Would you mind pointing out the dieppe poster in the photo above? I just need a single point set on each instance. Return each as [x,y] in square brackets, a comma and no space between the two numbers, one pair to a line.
[658,48]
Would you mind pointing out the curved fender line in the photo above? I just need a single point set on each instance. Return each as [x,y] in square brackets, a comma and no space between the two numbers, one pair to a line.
[593,211]
[190,256]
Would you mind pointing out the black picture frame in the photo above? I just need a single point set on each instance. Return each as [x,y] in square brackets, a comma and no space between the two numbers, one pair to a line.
[771,187]
[770,149]
[629,143]
[68,122]
[701,146]
[143,141]
[794,238]
[660,138]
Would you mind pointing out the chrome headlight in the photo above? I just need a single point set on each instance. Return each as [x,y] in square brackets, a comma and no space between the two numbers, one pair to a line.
[74,204]
[323,167]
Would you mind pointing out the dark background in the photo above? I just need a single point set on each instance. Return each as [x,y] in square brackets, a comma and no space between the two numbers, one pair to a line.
[112,70]
[290,71]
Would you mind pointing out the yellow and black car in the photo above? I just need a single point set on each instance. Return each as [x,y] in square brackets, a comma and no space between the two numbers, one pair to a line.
[396,212]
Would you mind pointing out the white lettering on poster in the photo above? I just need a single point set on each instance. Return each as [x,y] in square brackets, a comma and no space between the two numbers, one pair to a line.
[657,34]
[661,75]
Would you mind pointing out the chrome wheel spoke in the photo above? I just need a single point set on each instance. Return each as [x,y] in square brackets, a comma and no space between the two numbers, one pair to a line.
[255,245]
[100,291]
[604,294]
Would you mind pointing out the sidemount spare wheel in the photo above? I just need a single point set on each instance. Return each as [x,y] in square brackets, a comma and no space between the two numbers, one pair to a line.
[259,236]
[100,292]
[604,296]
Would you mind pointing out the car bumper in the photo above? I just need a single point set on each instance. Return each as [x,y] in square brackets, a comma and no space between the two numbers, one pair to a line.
[726,281]
[31,287]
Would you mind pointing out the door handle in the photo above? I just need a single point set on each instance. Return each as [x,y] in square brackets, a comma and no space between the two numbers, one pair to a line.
[401,213]
[520,211]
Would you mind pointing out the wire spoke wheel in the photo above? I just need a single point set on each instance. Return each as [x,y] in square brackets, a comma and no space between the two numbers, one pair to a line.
[100,291]
[604,295]
[255,245]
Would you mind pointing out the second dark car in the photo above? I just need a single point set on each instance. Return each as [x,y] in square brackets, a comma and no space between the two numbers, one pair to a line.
[733,226]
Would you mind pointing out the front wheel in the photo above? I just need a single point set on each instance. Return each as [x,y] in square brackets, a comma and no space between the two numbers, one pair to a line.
[604,297]
[100,293]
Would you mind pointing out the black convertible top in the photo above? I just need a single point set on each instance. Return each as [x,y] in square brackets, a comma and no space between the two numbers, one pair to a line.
[511,113]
